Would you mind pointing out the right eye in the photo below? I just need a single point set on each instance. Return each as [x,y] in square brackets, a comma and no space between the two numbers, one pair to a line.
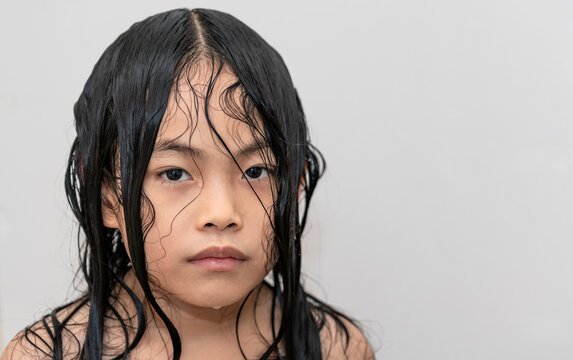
[175,175]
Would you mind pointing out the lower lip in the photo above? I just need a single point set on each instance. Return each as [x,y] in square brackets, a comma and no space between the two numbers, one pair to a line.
[217,264]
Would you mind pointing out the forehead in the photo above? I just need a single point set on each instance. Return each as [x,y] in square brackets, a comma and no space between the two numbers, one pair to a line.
[207,104]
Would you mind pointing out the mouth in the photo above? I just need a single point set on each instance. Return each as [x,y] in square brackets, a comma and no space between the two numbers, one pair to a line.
[218,259]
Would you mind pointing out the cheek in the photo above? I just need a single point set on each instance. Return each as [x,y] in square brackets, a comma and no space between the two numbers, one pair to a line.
[162,245]
[161,248]
[151,224]
[163,264]
[155,250]
[267,243]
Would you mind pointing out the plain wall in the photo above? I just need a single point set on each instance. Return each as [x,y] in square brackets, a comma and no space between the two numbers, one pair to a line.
[444,221]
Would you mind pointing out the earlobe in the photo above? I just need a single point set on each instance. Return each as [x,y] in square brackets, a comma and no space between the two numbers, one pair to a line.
[109,207]
[301,182]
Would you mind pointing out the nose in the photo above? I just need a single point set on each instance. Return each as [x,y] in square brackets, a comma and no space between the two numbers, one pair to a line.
[218,208]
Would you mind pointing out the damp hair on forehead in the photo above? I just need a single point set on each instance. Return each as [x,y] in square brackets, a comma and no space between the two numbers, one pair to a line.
[202,89]
[207,85]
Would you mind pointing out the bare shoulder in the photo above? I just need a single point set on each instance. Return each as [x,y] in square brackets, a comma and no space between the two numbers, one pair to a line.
[37,340]
[342,339]
[27,344]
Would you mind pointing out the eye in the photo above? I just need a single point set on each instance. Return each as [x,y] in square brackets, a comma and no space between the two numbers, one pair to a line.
[256,172]
[175,174]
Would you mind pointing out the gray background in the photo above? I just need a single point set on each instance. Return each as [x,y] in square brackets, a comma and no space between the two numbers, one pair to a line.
[444,221]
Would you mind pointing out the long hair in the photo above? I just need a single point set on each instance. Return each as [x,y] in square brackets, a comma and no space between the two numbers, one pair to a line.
[117,118]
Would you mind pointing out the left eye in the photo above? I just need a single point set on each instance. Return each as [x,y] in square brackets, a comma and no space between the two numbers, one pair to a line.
[255,173]
[175,175]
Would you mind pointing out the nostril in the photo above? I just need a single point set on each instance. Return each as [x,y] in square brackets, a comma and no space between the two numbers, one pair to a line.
[216,226]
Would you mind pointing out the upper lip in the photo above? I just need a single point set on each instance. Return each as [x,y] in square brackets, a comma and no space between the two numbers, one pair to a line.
[218,252]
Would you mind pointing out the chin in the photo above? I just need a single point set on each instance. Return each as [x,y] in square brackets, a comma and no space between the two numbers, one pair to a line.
[216,298]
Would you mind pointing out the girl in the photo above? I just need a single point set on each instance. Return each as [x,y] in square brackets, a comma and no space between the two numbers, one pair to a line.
[190,177]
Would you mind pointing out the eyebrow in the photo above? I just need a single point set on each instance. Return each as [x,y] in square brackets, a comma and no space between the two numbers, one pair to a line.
[182,148]
[178,147]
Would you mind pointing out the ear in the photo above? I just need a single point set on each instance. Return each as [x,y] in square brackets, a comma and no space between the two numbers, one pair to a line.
[301,181]
[109,206]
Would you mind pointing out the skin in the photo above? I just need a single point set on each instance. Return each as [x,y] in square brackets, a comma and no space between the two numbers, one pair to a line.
[203,200]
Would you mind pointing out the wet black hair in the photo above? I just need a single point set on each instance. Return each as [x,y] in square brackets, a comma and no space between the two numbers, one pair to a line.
[117,118]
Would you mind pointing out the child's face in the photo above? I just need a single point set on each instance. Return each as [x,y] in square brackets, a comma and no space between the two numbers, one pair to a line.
[210,240]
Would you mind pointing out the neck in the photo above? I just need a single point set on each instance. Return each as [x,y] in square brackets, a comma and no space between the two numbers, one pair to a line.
[197,326]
